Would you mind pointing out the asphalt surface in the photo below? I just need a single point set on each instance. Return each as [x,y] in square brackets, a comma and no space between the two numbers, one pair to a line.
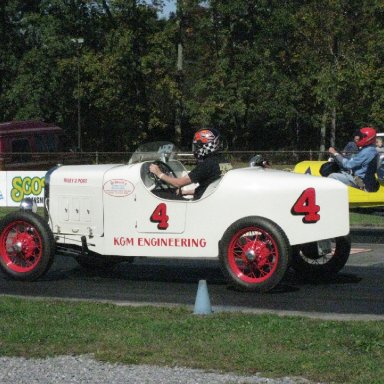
[357,292]
[373,235]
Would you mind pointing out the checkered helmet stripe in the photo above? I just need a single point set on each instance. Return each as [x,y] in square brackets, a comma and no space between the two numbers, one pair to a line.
[205,142]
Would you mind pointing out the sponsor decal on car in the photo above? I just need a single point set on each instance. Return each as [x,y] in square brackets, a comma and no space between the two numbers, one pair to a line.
[118,187]
[159,242]
[75,180]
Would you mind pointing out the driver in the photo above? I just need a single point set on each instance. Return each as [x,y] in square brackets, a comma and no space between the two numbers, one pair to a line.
[205,145]
[359,171]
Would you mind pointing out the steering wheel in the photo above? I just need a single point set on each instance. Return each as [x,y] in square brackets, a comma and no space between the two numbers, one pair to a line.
[158,183]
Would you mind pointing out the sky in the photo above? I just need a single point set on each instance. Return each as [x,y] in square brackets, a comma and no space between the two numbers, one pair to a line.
[170,6]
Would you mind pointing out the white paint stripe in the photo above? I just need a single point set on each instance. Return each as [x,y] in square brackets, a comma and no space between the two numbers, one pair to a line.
[359,250]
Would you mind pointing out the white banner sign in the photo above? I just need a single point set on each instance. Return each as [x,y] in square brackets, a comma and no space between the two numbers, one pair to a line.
[17,185]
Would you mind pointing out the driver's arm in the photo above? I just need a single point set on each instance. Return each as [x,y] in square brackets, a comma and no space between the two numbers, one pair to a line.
[177,182]
[337,156]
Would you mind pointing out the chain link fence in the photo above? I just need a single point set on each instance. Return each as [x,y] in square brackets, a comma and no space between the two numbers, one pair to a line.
[44,161]
[275,158]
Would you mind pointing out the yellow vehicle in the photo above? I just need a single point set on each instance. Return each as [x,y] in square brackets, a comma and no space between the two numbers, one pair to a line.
[357,197]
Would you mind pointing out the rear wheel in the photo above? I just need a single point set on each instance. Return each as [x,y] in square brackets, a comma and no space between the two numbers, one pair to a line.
[254,254]
[321,259]
[27,246]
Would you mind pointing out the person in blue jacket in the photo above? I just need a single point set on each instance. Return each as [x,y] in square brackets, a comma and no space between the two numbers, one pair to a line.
[359,170]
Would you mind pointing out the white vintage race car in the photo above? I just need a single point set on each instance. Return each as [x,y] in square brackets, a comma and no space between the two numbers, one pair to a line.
[257,221]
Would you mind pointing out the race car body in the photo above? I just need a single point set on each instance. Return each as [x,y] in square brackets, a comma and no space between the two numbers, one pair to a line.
[255,220]
[113,206]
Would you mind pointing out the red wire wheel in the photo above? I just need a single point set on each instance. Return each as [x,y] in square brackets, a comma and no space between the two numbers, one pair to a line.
[21,246]
[255,254]
[26,246]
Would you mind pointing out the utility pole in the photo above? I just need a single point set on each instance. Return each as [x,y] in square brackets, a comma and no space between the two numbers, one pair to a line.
[79,41]
[179,74]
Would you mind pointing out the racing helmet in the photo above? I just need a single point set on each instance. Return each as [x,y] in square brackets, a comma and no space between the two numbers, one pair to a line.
[367,137]
[205,142]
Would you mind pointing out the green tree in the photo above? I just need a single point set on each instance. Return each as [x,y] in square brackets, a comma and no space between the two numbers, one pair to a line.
[238,78]
[331,54]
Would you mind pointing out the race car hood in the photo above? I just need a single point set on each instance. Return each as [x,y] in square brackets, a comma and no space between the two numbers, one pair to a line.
[75,198]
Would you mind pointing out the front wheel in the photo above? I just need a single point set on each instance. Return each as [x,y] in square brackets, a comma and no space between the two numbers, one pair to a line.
[27,246]
[254,254]
[321,259]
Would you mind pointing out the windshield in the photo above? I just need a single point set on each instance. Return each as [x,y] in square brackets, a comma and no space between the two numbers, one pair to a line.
[157,150]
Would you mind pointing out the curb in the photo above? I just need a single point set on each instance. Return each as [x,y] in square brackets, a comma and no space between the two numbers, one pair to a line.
[373,235]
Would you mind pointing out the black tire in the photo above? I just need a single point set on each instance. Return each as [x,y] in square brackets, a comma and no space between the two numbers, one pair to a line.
[27,246]
[311,263]
[254,254]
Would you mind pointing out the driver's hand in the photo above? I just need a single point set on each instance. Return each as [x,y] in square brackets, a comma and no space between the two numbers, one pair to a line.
[332,150]
[153,168]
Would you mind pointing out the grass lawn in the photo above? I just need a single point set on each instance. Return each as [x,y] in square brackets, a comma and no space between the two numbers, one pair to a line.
[367,218]
[326,351]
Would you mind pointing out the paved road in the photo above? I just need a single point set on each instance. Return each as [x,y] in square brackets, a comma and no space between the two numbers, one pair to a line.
[371,235]
[357,292]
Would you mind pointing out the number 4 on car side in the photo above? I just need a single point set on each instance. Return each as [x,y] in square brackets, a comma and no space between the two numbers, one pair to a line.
[256,221]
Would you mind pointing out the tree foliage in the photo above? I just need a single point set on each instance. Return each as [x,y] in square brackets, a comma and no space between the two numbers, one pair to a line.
[270,74]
